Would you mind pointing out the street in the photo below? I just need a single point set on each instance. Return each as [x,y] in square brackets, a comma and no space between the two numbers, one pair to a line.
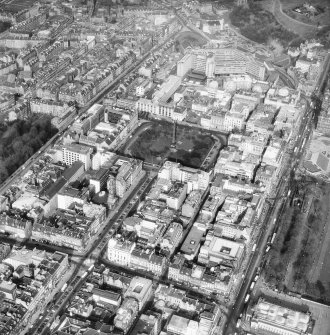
[82,263]
[278,201]
[98,97]
[94,251]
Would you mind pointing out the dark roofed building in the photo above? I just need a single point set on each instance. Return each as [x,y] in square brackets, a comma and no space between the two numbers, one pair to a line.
[102,297]
[52,189]
[149,323]
[74,171]
[197,76]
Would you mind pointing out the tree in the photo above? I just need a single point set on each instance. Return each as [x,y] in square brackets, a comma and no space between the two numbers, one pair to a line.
[320,287]
[3,172]
[19,140]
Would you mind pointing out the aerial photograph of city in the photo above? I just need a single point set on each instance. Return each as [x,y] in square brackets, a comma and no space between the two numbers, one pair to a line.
[165,167]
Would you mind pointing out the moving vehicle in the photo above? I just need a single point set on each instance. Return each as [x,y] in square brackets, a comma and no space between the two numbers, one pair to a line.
[273,238]
[64,287]
[238,323]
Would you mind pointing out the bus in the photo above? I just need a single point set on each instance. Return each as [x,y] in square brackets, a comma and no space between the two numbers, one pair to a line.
[64,287]
[273,238]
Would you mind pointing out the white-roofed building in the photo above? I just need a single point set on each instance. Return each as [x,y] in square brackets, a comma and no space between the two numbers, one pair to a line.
[273,155]
[25,257]
[275,319]
[181,326]
[141,289]
[172,237]
[167,88]
[217,250]
[282,97]
[27,201]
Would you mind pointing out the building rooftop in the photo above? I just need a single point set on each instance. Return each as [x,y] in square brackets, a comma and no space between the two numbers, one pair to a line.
[192,241]
[72,170]
[281,316]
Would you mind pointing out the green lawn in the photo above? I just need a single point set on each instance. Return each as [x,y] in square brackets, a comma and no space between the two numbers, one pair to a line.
[154,144]
[298,260]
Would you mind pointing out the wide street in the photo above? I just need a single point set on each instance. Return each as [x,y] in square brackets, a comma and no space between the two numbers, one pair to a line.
[103,237]
[197,294]
[278,202]
[101,240]
[98,98]
[94,250]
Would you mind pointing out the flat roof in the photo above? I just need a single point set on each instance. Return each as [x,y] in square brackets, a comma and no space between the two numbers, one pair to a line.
[192,241]
[55,188]
[281,317]
[106,294]
[72,170]
[179,323]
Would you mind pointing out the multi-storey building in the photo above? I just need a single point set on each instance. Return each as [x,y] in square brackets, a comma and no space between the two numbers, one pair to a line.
[168,88]
[217,250]
[48,271]
[88,122]
[179,325]
[70,228]
[140,289]
[184,65]
[226,61]
[195,179]
[172,237]
[57,109]
[200,276]
[323,122]
[191,203]
[149,322]
[76,152]
[126,314]
[126,253]
[128,173]
[16,226]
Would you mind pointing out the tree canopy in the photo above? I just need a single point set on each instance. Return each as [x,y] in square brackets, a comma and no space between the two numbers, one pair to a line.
[259,25]
[19,140]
